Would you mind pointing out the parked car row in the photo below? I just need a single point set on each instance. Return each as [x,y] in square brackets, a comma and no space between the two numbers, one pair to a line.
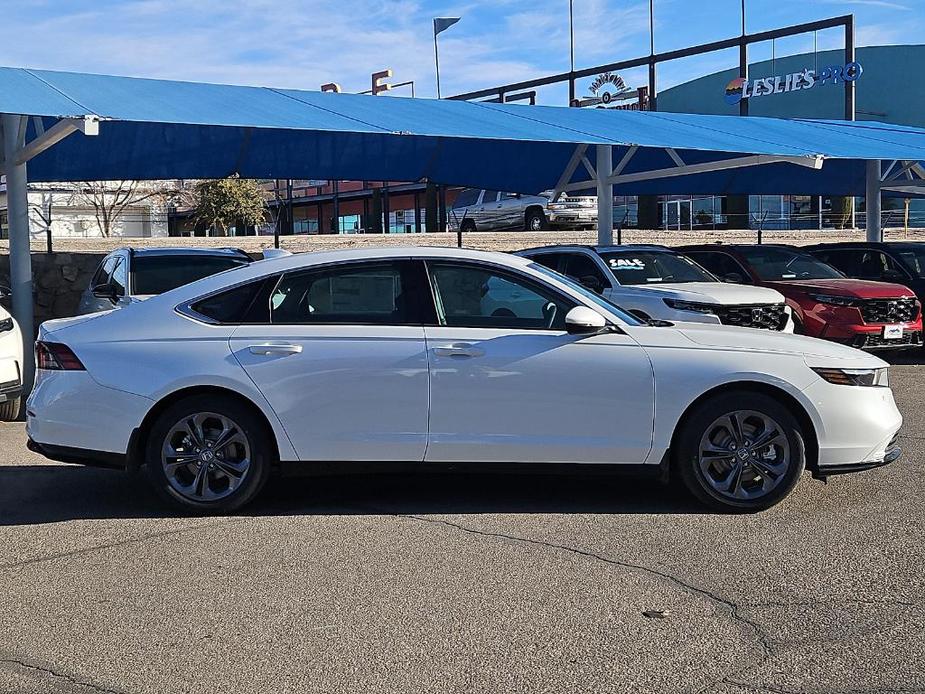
[444,356]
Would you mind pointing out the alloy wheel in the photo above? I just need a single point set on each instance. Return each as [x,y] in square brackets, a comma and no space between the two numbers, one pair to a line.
[205,456]
[744,455]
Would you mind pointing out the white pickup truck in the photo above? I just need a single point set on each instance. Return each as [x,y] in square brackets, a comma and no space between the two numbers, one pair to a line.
[489,210]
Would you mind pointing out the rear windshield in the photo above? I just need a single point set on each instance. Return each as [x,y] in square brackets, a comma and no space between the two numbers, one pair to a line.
[775,264]
[652,267]
[156,274]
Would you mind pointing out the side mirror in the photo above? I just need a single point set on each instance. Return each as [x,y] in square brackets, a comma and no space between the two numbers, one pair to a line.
[593,283]
[104,291]
[733,277]
[582,320]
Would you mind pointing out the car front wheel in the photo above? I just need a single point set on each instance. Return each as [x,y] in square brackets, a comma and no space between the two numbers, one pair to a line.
[740,452]
[209,454]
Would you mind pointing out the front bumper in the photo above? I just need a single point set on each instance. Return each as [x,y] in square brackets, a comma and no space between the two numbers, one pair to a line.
[11,390]
[574,216]
[892,453]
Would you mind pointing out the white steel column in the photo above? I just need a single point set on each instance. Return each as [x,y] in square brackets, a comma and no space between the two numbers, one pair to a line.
[604,169]
[20,259]
[874,232]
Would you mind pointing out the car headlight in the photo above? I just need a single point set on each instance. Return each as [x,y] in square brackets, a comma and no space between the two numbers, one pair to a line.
[6,325]
[857,377]
[679,305]
[834,300]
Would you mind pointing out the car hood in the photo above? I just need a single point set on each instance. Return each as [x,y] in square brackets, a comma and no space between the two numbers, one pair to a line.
[711,292]
[858,289]
[816,352]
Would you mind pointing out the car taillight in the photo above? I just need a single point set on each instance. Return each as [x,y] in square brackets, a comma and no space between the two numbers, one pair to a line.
[54,356]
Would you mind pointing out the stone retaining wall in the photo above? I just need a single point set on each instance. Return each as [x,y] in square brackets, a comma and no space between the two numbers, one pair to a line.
[59,279]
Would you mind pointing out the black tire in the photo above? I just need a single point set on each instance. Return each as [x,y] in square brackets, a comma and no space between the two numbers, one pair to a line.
[535,220]
[251,426]
[686,455]
[467,226]
[9,410]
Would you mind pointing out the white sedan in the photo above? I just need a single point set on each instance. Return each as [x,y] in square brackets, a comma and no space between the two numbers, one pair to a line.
[404,355]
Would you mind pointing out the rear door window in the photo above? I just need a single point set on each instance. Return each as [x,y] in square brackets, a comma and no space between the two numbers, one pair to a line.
[356,293]
[466,197]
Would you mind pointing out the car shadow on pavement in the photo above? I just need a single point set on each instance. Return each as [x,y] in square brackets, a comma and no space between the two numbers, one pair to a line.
[36,494]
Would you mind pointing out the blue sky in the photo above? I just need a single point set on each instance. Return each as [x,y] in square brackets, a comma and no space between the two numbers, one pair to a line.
[304,43]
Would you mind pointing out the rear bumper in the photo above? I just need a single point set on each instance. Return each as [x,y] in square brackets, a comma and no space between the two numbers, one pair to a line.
[79,456]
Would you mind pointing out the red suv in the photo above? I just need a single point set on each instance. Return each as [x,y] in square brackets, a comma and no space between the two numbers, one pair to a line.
[860,313]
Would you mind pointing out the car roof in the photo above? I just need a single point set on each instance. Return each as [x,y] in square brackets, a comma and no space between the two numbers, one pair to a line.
[186,250]
[599,249]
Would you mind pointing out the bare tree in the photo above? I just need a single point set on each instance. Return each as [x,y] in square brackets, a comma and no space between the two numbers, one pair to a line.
[109,200]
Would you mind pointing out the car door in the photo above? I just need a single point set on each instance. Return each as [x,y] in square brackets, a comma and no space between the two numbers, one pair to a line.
[510,210]
[489,211]
[509,384]
[586,269]
[343,361]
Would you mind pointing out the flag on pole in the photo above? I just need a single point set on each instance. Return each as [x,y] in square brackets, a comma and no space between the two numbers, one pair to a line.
[444,23]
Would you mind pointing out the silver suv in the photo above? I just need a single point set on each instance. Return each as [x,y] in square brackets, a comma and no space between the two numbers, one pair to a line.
[133,274]
[489,210]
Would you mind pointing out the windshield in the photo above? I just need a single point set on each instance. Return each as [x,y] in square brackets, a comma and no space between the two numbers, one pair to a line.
[156,274]
[592,298]
[650,267]
[775,264]
[913,258]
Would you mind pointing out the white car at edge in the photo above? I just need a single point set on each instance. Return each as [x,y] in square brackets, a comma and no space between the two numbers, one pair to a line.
[658,282]
[11,355]
[392,355]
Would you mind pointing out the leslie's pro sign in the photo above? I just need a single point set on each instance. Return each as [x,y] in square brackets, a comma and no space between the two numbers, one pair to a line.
[741,88]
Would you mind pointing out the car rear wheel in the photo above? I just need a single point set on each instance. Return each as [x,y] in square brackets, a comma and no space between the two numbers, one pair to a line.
[209,454]
[740,452]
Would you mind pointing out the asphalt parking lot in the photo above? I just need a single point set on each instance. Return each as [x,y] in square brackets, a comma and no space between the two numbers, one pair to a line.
[463,584]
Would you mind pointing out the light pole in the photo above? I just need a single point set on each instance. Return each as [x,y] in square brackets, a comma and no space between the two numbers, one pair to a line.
[571,34]
[441,24]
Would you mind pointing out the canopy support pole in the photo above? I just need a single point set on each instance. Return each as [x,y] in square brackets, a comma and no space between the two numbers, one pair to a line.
[874,232]
[604,171]
[17,196]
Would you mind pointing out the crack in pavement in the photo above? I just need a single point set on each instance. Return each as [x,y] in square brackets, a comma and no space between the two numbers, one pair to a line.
[59,675]
[724,605]
[118,543]
[831,603]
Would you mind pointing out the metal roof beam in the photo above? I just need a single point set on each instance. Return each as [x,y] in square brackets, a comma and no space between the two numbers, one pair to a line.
[709,167]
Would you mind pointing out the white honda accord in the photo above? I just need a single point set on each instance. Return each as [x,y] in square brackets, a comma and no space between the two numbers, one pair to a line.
[437,356]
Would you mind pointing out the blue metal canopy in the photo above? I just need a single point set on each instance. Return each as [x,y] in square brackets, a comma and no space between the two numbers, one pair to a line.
[156,129]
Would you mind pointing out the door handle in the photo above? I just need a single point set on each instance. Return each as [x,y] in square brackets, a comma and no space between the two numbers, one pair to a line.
[266,350]
[460,349]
